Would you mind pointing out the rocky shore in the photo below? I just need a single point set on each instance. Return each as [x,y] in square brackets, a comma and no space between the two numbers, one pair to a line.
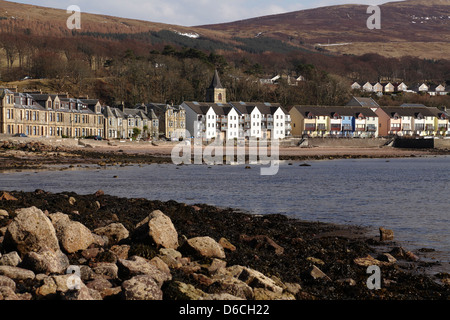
[98,247]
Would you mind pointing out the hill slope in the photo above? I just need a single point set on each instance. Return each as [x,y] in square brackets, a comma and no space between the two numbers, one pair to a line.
[415,27]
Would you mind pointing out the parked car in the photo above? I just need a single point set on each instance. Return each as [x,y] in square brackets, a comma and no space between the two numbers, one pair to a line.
[98,138]
[20,135]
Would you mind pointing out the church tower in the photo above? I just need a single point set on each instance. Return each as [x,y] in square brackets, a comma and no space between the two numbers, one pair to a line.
[216,93]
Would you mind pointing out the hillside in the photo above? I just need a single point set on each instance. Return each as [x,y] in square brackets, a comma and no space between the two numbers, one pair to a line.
[416,27]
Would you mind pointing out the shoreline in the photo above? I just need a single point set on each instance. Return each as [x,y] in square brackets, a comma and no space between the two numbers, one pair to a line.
[275,245]
[38,155]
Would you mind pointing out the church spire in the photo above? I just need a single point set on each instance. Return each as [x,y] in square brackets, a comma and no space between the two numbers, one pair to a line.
[216,93]
[215,83]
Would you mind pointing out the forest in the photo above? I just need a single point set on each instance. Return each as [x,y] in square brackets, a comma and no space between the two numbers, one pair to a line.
[165,66]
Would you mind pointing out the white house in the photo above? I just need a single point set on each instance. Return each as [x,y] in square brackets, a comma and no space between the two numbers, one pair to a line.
[367,87]
[389,87]
[356,86]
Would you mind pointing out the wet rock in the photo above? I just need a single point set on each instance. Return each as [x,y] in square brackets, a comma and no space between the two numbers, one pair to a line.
[160,229]
[369,261]
[400,253]
[316,273]
[386,257]
[227,245]
[72,201]
[386,234]
[30,231]
[10,259]
[46,261]
[99,193]
[204,247]
[5,196]
[142,287]
[115,232]
[261,241]
[72,235]
[315,261]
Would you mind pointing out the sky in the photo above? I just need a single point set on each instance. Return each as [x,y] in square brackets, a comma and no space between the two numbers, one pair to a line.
[192,12]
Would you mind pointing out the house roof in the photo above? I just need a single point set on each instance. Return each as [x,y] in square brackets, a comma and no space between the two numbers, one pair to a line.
[352,111]
[408,111]
[363,102]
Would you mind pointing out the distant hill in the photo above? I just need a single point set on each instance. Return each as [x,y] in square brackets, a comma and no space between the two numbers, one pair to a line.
[418,28]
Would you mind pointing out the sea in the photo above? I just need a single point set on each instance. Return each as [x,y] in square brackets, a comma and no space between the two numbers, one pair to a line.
[411,196]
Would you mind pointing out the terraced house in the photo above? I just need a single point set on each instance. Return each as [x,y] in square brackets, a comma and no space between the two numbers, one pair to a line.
[35,115]
[334,121]
[412,120]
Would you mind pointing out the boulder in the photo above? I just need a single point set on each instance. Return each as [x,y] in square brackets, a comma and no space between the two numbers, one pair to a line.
[227,245]
[177,290]
[10,259]
[160,229]
[8,294]
[73,236]
[115,232]
[232,286]
[16,273]
[4,214]
[106,269]
[386,234]
[256,279]
[7,282]
[7,197]
[31,230]
[46,261]
[141,266]
[142,287]
[262,241]
[204,247]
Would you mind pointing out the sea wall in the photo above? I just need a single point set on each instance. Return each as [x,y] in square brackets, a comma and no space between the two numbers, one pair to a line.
[349,143]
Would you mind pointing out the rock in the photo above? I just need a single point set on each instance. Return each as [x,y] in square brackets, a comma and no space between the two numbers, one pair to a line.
[142,287]
[232,286]
[106,269]
[216,266]
[72,201]
[261,294]
[171,257]
[16,273]
[99,285]
[46,261]
[10,259]
[120,251]
[386,257]
[261,241]
[72,235]
[8,294]
[227,245]
[369,261]
[386,234]
[30,231]
[315,261]
[140,266]
[177,290]
[91,253]
[204,247]
[256,279]
[347,281]
[7,197]
[7,282]
[4,214]
[316,273]
[160,229]
[99,193]
[400,253]
[115,232]
[84,294]
[221,297]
